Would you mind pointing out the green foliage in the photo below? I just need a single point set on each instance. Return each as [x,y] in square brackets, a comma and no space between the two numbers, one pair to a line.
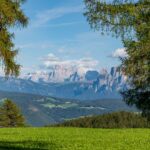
[3,118]
[10,115]
[130,20]
[111,120]
[11,15]
[74,139]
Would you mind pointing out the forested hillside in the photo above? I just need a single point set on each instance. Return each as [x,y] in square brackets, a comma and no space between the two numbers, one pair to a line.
[111,120]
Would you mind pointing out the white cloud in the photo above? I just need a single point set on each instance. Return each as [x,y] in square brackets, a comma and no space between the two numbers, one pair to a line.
[120,52]
[54,13]
[50,61]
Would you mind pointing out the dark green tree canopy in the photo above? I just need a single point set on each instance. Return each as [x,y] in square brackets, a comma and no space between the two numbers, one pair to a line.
[130,20]
[10,115]
[11,15]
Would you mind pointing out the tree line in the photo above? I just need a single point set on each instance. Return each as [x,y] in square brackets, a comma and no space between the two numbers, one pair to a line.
[111,120]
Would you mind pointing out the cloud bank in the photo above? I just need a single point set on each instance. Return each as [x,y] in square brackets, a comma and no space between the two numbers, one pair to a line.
[82,65]
[119,53]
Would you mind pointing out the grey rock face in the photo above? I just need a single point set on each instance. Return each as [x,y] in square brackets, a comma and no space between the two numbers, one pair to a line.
[89,86]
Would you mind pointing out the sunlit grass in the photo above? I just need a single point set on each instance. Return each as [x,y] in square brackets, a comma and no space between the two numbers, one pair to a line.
[74,139]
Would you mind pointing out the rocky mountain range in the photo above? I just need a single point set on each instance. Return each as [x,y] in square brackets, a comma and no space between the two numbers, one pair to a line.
[55,96]
[63,83]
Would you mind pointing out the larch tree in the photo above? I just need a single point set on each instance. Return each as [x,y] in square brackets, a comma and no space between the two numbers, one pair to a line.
[11,15]
[129,20]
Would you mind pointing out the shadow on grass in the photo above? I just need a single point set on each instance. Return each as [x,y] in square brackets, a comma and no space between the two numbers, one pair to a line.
[27,145]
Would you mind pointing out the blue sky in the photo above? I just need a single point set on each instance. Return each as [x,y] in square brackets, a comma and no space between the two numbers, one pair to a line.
[59,33]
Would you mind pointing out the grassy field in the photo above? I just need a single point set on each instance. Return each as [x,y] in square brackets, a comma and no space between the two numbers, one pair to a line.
[74,139]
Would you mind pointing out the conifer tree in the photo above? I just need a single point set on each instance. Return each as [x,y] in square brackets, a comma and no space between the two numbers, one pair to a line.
[3,119]
[10,115]
[130,20]
[11,15]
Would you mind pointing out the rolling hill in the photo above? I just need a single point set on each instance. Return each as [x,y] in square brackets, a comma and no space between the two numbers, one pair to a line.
[42,110]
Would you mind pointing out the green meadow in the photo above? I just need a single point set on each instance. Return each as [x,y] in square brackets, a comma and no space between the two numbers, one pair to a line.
[74,139]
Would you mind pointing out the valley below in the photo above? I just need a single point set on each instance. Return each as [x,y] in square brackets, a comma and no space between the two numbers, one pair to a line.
[44,110]
[63,94]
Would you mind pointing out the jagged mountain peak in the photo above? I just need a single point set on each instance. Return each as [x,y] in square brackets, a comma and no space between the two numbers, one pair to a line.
[59,74]
[70,84]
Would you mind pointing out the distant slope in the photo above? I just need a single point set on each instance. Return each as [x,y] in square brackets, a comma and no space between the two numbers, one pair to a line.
[34,113]
[42,110]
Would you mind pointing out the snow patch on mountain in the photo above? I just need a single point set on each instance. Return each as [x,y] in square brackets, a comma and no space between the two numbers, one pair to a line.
[69,83]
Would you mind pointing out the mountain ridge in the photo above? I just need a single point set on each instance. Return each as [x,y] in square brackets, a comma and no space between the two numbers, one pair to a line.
[89,86]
